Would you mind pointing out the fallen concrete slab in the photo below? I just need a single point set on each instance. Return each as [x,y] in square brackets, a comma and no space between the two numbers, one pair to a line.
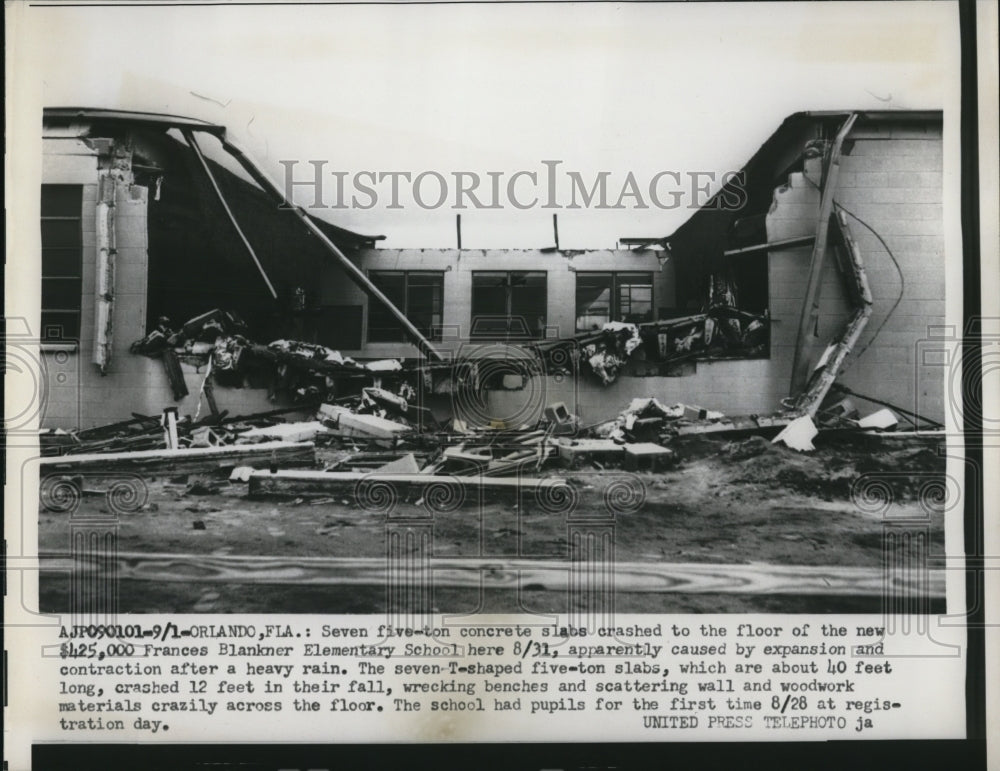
[798,434]
[646,455]
[284,432]
[603,450]
[883,419]
[190,461]
[354,425]
[390,488]
[405,465]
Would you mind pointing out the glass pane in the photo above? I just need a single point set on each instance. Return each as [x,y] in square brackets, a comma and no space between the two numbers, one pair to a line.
[593,300]
[528,302]
[635,297]
[383,327]
[424,300]
[62,262]
[489,304]
[61,294]
[61,233]
[62,200]
[60,325]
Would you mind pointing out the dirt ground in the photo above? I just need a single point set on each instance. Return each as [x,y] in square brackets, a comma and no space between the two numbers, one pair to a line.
[725,502]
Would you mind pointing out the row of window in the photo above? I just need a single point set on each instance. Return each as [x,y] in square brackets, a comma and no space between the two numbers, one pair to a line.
[62,261]
[507,303]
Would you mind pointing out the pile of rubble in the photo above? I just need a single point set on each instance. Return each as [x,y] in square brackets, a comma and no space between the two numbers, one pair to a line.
[722,332]
[371,416]
[218,340]
[386,434]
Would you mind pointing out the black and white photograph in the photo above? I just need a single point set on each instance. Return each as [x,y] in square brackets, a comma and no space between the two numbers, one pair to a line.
[528,343]
[698,352]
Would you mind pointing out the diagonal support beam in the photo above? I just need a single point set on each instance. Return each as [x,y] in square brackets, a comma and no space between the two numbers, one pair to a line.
[189,137]
[810,303]
[353,271]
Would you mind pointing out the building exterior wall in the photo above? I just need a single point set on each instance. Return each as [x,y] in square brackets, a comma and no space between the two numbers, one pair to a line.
[458,266]
[79,396]
[891,177]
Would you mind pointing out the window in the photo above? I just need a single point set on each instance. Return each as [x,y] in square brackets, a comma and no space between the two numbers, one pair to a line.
[508,304]
[604,297]
[417,294]
[62,262]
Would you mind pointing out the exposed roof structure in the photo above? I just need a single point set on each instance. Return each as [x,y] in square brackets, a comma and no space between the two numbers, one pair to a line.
[329,235]
[699,243]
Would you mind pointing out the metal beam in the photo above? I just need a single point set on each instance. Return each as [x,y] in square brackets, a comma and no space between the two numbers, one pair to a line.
[819,384]
[353,271]
[810,304]
[784,243]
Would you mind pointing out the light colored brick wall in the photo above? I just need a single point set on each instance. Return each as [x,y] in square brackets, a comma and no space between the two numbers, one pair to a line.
[737,387]
[890,178]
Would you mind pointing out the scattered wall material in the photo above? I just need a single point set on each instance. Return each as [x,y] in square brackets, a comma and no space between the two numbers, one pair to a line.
[196,460]
[382,492]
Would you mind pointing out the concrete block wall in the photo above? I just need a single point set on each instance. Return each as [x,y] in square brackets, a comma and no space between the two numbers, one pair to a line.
[891,178]
[907,212]
[717,385]
[79,396]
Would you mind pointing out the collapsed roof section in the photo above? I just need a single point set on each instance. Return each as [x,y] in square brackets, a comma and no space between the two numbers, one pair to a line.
[709,240]
[241,190]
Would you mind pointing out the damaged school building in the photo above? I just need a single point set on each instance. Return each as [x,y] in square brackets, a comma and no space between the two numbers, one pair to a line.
[173,271]
[195,323]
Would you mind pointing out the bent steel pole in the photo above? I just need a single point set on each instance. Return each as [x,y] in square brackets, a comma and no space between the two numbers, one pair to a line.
[861,295]
[810,303]
[358,275]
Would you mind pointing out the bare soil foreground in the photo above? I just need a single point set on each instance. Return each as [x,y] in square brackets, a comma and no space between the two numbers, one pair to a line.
[724,503]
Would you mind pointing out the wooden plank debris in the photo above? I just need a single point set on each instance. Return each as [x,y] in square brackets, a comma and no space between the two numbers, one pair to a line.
[193,460]
[300,483]
[284,432]
[175,375]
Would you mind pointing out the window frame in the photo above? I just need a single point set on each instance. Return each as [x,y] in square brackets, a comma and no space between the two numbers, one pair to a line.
[65,341]
[495,336]
[434,334]
[615,304]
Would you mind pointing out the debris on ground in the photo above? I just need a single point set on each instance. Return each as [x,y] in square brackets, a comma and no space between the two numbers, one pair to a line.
[349,419]
[798,434]
[882,419]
